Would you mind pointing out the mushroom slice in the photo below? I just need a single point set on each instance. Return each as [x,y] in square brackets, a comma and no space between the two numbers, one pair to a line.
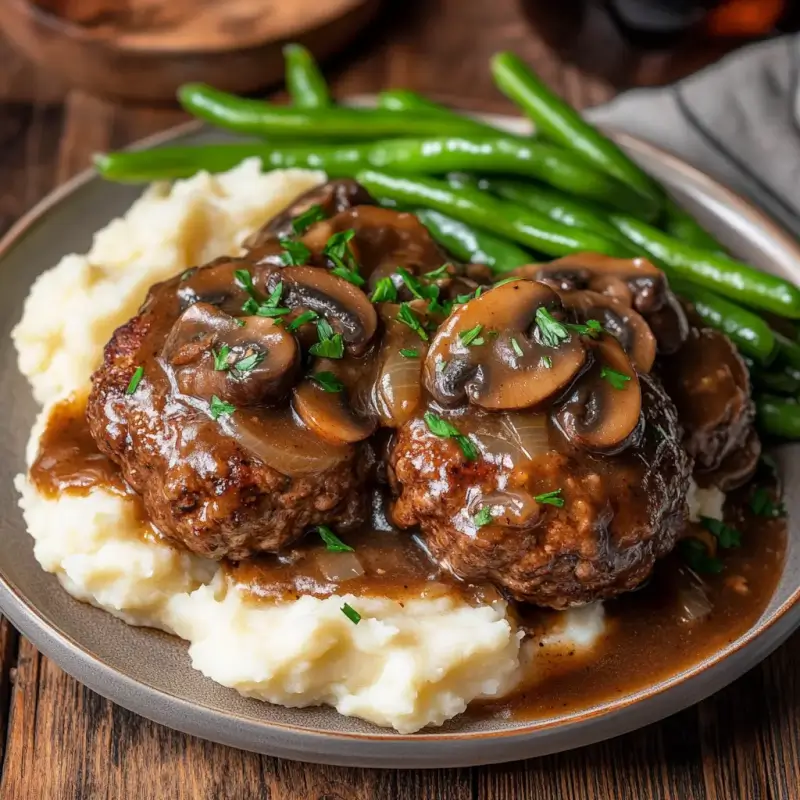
[605,409]
[211,353]
[397,389]
[214,283]
[344,306]
[490,351]
[328,414]
[621,321]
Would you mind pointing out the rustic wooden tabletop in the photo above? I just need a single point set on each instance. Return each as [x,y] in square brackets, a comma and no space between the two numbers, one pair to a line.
[61,740]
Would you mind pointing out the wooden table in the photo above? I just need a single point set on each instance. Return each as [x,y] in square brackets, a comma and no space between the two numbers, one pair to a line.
[61,740]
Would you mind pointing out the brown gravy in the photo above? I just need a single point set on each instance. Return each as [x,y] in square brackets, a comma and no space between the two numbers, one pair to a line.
[646,639]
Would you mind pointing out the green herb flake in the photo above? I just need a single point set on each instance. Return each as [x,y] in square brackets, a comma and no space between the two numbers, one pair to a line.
[551,332]
[726,536]
[696,555]
[351,614]
[271,311]
[483,517]
[547,362]
[439,272]
[408,317]
[221,358]
[332,541]
[762,504]
[250,306]
[219,408]
[135,380]
[302,319]
[516,346]
[330,344]
[188,273]
[248,363]
[350,275]
[245,280]
[408,352]
[592,328]
[504,282]
[240,322]
[324,329]
[553,498]
[294,253]
[385,291]
[441,427]
[618,380]
[302,222]
[328,382]
[472,336]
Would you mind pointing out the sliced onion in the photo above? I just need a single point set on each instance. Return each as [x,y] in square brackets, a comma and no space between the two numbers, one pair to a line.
[397,391]
[284,445]
[694,604]
[339,567]
[515,436]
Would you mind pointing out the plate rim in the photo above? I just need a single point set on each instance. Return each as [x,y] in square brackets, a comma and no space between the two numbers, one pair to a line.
[203,720]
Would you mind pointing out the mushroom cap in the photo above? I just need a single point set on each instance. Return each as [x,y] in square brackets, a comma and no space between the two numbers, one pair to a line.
[603,412]
[261,364]
[343,305]
[620,320]
[507,366]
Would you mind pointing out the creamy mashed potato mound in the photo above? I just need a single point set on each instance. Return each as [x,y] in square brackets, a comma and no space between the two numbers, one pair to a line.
[404,666]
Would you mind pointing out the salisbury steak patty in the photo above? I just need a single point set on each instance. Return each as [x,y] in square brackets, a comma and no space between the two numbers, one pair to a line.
[620,513]
[221,484]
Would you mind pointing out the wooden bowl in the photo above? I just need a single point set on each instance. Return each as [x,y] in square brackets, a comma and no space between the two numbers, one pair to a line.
[144,49]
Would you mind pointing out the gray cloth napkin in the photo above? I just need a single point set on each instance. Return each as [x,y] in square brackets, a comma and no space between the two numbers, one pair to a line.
[738,120]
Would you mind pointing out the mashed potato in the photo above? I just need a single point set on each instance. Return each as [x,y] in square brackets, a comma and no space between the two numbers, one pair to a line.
[403,666]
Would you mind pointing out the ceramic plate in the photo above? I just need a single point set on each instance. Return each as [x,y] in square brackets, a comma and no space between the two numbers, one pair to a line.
[149,672]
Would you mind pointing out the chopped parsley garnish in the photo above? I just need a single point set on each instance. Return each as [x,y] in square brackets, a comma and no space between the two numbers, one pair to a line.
[270,307]
[696,555]
[416,287]
[269,311]
[472,336]
[250,306]
[385,291]
[441,366]
[551,332]
[547,362]
[441,427]
[483,517]
[245,280]
[332,541]
[439,272]
[553,498]
[188,273]
[351,614]
[302,222]
[504,282]
[294,253]
[302,319]
[328,382]
[615,378]
[330,344]
[219,408]
[408,317]
[517,349]
[337,249]
[240,322]
[408,352]
[221,358]
[592,328]
[136,378]
[726,536]
[248,363]
[763,505]
[350,275]
[275,295]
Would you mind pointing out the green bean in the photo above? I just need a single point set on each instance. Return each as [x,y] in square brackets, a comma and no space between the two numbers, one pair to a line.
[788,351]
[559,122]
[681,225]
[778,416]
[406,100]
[721,274]
[786,382]
[745,329]
[556,205]
[505,155]
[162,163]
[476,208]
[305,83]
[470,244]
[258,118]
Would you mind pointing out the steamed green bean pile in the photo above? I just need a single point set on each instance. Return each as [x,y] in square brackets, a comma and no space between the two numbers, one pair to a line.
[501,199]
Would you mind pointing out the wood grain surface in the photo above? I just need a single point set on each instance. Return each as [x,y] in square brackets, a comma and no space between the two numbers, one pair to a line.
[61,740]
